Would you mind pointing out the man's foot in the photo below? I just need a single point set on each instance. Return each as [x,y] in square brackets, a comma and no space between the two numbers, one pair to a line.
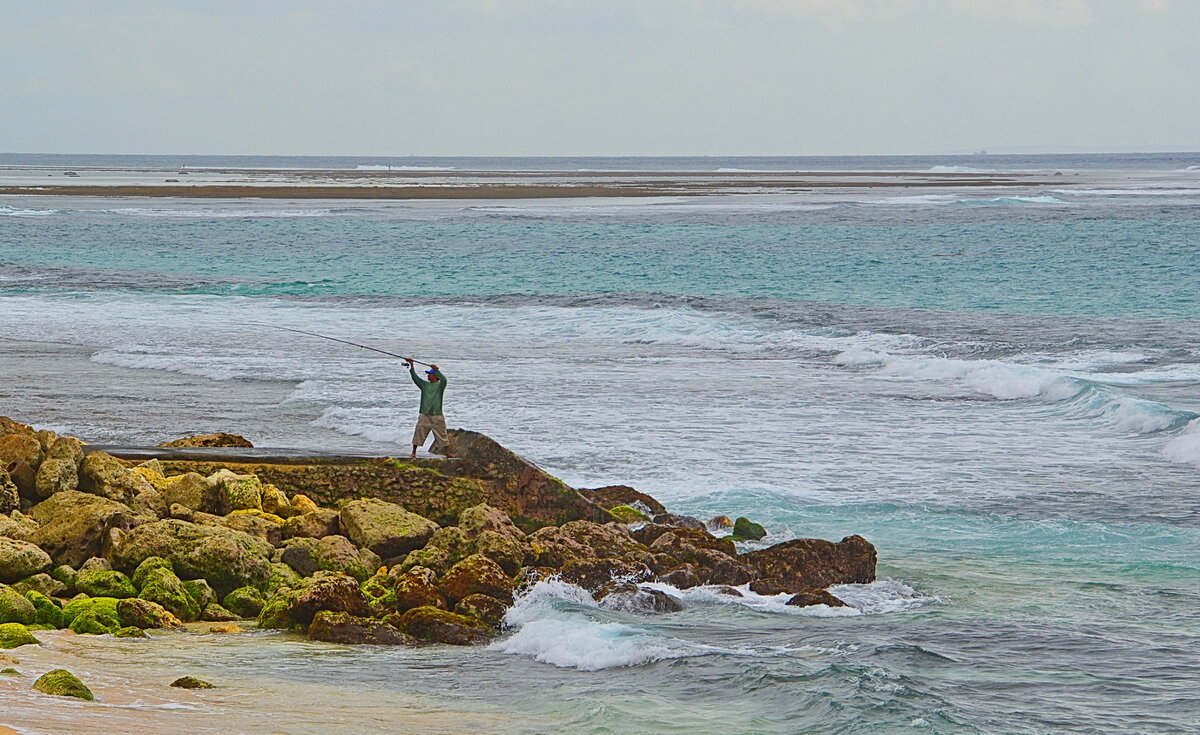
[414,454]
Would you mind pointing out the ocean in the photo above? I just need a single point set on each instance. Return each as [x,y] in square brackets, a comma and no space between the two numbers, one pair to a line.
[996,387]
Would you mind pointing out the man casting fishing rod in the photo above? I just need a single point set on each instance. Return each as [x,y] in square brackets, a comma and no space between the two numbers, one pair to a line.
[431,418]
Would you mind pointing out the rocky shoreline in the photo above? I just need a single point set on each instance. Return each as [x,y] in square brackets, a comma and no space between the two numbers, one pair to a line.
[349,550]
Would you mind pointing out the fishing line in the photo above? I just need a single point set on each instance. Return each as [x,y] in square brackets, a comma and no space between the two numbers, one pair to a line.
[345,342]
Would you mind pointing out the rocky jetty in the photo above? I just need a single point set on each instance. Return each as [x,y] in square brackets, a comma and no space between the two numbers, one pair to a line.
[351,550]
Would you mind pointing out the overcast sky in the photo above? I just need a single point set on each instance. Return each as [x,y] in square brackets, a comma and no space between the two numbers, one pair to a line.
[599,77]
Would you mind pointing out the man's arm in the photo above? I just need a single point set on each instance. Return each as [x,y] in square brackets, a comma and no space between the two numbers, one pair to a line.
[412,372]
[441,378]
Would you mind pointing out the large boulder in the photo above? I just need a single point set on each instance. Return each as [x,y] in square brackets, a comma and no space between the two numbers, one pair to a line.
[246,602]
[439,626]
[218,439]
[20,559]
[191,490]
[553,546]
[446,547]
[15,635]
[143,614]
[60,469]
[807,563]
[341,627]
[595,574]
[476,575]
[330,554]
[416,587]
[62,683]
[385,528]
[17,525]
[76,526]
[102,474]
[14,607]
[809,597]
[237,492]
[296,606]
[101,583]
[226,558]
[315,523]
[161,586]
[481,607]
[20,449]
[633,599]
[614,495]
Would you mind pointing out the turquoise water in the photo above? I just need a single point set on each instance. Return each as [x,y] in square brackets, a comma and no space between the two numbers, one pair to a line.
[998,390]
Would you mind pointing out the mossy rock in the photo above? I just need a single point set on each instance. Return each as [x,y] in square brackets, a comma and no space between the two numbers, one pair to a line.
[385,528]
[139,613]
[148,565]
[166,589]
[43,583]
[63,683]
[64,574]
[15,635]
[446,547]
[96,621]
[280,576]
[131,631]
[105,607]
[98,583]
[476,574]
[14,607]
[191,682]
[240,492]
[246,602]
[228,559]
[21,559]
[9,671]
[439,626]
[484,608]
[295,606]
[46,611]
[214,613]
[201,591]
[745,529]
[629,514]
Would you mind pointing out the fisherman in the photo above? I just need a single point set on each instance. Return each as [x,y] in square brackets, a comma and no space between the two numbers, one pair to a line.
[431,418]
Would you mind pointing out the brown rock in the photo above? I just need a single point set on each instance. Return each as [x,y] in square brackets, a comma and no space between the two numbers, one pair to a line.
[678,521]
[76,526]
[769,587]
[292,606]
[416,587]
[314,524]
[814,596]
[614,495]
[104,475]
[476,574]
[805,563]
[219,439]
[682,577]
[634,599]
[685,543]
[481,607]
[594,574]
[21,449]
[716,567]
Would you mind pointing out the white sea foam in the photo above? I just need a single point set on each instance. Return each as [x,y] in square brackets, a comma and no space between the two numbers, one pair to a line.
[369,167]
[6,211]
[1001,380]
[956,170]
[1185,447]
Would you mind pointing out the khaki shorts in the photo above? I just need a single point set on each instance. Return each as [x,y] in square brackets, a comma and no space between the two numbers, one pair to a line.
[436,424]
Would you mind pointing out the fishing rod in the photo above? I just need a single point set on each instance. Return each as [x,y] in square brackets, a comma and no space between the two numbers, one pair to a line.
[346,342]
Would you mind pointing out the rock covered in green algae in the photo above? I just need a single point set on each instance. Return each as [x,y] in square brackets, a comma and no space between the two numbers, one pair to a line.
[439,626]
[200,591]
[385,528]
[43,583]
[100,583]
[65,575]
[62,683]
[237,492]
[191,682]
[296,606]
[76,607]
[329,554]
[46,611]
[20,559]
[281,575]
[745,529]
[140,613]
[162,586]
[340,627]
[74,526]
[131,631]
[628,514]
[15,635]
[214,613]
[476,574]
[143,571]
[275,502]
[104,475]
[481,607]
[96,621]
[96,564]
[60,469]
[9,671]
[15,608]
[246,602]
[226,558]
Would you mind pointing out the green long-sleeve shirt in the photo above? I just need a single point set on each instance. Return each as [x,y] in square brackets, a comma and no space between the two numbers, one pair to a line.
[431,393]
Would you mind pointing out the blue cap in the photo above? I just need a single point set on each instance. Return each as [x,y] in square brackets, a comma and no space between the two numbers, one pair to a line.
[430,372]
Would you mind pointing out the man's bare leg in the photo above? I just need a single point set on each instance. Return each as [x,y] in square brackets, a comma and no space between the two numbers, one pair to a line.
[414,452]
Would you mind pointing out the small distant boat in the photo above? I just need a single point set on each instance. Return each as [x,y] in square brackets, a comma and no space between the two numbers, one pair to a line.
[70,173]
